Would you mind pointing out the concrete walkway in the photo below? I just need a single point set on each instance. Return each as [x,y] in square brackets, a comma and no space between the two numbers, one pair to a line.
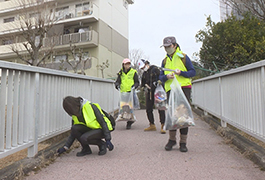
[140,155]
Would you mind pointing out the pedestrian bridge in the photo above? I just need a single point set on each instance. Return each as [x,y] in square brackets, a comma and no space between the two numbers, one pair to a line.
[31,112]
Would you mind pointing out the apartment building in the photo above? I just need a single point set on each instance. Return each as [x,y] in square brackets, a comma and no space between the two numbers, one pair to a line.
[99,28]
[238,8]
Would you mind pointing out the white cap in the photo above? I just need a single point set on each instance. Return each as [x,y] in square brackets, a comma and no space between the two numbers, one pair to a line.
[140,63]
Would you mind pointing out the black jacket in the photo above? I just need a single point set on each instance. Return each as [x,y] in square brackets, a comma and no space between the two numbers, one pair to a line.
[150,77]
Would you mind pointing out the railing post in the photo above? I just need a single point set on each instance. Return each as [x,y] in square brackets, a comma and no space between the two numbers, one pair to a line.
[262,87]
[223,123]
[33,150]
[2,109]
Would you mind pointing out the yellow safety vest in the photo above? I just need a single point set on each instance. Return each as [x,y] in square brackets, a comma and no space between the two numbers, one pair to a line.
[127,80]
[176,63]
[90,117]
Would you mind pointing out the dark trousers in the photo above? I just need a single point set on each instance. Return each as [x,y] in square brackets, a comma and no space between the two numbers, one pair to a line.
[187,91]
[149,99]
[87,136]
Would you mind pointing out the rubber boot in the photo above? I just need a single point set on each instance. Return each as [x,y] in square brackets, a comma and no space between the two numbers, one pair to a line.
[182,143]
[129,124]
[102,148]
[85,151]
[162,131]
[170,144]
[152,127]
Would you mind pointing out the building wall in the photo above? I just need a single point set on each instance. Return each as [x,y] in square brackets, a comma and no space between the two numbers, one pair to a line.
[111,26]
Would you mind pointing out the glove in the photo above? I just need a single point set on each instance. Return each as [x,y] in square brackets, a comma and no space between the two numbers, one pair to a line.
[159,82]
[61,150]
[110,146]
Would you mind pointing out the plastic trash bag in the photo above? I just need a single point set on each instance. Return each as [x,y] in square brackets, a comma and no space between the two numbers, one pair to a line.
[160,98]
[179,113]
[126,107]
[136,103]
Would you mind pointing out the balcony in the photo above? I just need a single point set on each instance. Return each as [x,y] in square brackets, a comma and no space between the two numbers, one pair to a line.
[62,17]
[8,7]
[86,39]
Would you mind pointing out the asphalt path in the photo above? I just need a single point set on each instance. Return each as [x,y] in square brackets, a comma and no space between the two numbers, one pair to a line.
[140,155]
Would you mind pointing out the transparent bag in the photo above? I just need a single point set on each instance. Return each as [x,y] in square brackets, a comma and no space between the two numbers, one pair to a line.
[179,113]
[126,107]
[136,103]
[160,96]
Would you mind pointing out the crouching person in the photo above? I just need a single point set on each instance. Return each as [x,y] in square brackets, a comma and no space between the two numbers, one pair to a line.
[90,126]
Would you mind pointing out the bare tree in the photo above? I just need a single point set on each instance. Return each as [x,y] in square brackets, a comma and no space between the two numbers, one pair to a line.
[103,66]
[134,56]
[79,59]
[36,19]
[255,7]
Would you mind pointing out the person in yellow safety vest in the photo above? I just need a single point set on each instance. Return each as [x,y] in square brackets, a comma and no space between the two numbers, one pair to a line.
[176,60]
[126,80]
[90,126]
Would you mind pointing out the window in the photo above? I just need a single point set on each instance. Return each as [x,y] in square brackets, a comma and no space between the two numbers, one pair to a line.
[11,19]
[62,13]
[60,58]
[82,9]
[8,41]
[125,4]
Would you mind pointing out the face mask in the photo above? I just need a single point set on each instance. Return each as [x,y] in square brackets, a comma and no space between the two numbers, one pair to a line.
[146,68]
[170,50]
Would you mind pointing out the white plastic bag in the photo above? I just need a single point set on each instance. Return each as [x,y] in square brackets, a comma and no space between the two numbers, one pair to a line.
[179,113]
[126,107]
[160,96]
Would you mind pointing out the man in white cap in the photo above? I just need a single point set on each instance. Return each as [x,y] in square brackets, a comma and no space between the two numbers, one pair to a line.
[126,80]
[176,60]
[150,79]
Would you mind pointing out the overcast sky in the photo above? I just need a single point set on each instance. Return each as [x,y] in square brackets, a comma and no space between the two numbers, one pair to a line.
[150,21]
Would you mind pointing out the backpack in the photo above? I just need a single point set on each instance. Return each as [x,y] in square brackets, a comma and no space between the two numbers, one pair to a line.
[110,117]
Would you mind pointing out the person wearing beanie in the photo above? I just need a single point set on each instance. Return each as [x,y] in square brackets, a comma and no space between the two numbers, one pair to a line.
[176,60]
[126,80]
[149,82]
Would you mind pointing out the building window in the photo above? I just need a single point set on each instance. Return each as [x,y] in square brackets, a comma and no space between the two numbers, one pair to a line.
[125,4]
[11,19]
[60,58]
[82,9]
[7,41]
[62,13]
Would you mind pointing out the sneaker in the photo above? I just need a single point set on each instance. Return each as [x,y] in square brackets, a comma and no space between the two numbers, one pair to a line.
[84,151]
[170,144]
[183,147]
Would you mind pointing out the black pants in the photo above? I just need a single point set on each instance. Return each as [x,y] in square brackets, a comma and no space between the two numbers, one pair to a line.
[187,91]
[87,136]
[149,101]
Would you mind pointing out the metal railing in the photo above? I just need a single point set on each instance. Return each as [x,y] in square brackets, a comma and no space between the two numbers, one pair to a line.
[236,97]
[67,38]
[31,103]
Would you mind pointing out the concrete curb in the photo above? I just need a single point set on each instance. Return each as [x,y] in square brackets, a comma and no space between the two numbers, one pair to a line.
[251,150]
[24,166]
